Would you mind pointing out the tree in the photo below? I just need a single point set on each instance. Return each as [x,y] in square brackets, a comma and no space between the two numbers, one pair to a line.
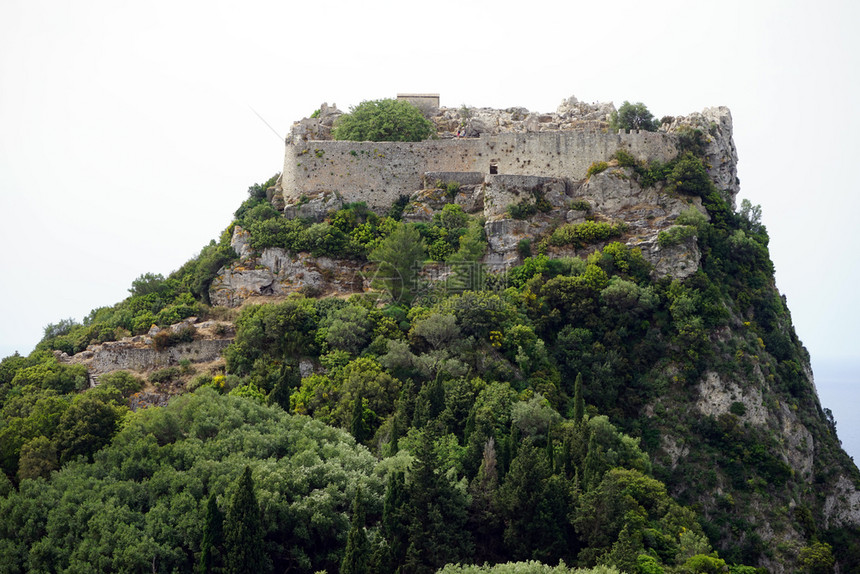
[817,558]
[356,558]
[578,400]
[213,537]
[400,256]
[243,531]
[633,117]
[383,120]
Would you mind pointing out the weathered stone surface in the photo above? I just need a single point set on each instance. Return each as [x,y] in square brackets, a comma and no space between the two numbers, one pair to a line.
[720,152]
[241,242]
[716,397]
[431,178]
[138,354]
[318,128]
[147,399]
[676,261]
[842,505]
[503,235]
[504,190]
[277,272]
[471,199]
[314,206]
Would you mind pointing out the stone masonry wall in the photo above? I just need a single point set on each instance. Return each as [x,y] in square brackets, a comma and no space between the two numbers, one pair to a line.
[374,172]
[377,173]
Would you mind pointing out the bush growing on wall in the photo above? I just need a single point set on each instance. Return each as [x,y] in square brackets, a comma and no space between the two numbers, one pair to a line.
[383,120]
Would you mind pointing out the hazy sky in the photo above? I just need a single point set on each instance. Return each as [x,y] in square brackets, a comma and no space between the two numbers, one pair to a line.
[128,132]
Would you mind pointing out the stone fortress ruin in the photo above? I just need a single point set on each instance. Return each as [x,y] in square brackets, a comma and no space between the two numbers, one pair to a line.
[510,142]
[485,160]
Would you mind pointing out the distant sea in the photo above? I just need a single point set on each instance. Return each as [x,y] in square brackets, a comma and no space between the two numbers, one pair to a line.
[838,383]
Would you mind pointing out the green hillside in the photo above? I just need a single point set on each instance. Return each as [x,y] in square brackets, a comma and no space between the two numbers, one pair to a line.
[581,410]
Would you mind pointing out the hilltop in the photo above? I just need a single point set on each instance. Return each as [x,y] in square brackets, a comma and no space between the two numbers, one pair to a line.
[531,336]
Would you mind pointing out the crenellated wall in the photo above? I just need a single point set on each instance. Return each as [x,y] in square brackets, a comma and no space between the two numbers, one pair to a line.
[377,173]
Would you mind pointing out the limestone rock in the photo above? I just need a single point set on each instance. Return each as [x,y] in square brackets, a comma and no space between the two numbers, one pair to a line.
[314,206]
[676,261]
[720,152]
[504,190]
[842,505]
[277,273]
[318,128]
[241,242]
[503,235]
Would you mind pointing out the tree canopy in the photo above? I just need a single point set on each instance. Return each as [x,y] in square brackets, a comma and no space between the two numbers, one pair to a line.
[386,120]
[633,117]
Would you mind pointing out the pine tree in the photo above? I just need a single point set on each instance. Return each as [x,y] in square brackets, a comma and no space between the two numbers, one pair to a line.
[243,529]
[357,555]
[400,256]
[213,538]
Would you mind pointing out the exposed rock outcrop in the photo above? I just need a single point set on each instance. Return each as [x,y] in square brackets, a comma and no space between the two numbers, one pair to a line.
[139,353]
[276,272]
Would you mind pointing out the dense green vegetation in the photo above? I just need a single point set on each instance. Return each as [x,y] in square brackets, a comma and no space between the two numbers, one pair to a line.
[633,117]
[514,420]
[384,120]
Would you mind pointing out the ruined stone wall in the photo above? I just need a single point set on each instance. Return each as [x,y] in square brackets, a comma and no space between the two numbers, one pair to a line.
[568,154]
[374,172]
[377,173]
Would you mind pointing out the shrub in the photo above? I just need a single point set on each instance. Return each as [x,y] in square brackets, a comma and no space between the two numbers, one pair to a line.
[452,189]
[580,205]
[167,337]
[524,247]
[123,381]
[625,158]
[164,375]
[691,140]
[689,176]
[582,234]
[675,235]
[522,210]
[526,207]
[383,120]
[596,167]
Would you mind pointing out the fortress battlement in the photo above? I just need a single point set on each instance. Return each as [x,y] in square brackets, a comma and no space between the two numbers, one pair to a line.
[513,142]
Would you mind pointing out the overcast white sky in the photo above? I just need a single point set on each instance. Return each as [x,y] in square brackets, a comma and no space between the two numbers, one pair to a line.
[128,134]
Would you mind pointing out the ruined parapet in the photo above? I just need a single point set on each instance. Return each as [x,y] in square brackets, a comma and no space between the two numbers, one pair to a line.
[378,173]
[317,127]
[139,353]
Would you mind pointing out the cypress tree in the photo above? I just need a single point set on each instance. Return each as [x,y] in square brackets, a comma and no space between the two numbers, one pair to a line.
[288,380]
[243,529]
[578,400]
[390,555]
[430,402]
[357,556]
[213,538]
[356,426]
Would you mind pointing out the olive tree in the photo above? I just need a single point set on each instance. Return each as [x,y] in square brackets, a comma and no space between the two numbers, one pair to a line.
[385,120]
